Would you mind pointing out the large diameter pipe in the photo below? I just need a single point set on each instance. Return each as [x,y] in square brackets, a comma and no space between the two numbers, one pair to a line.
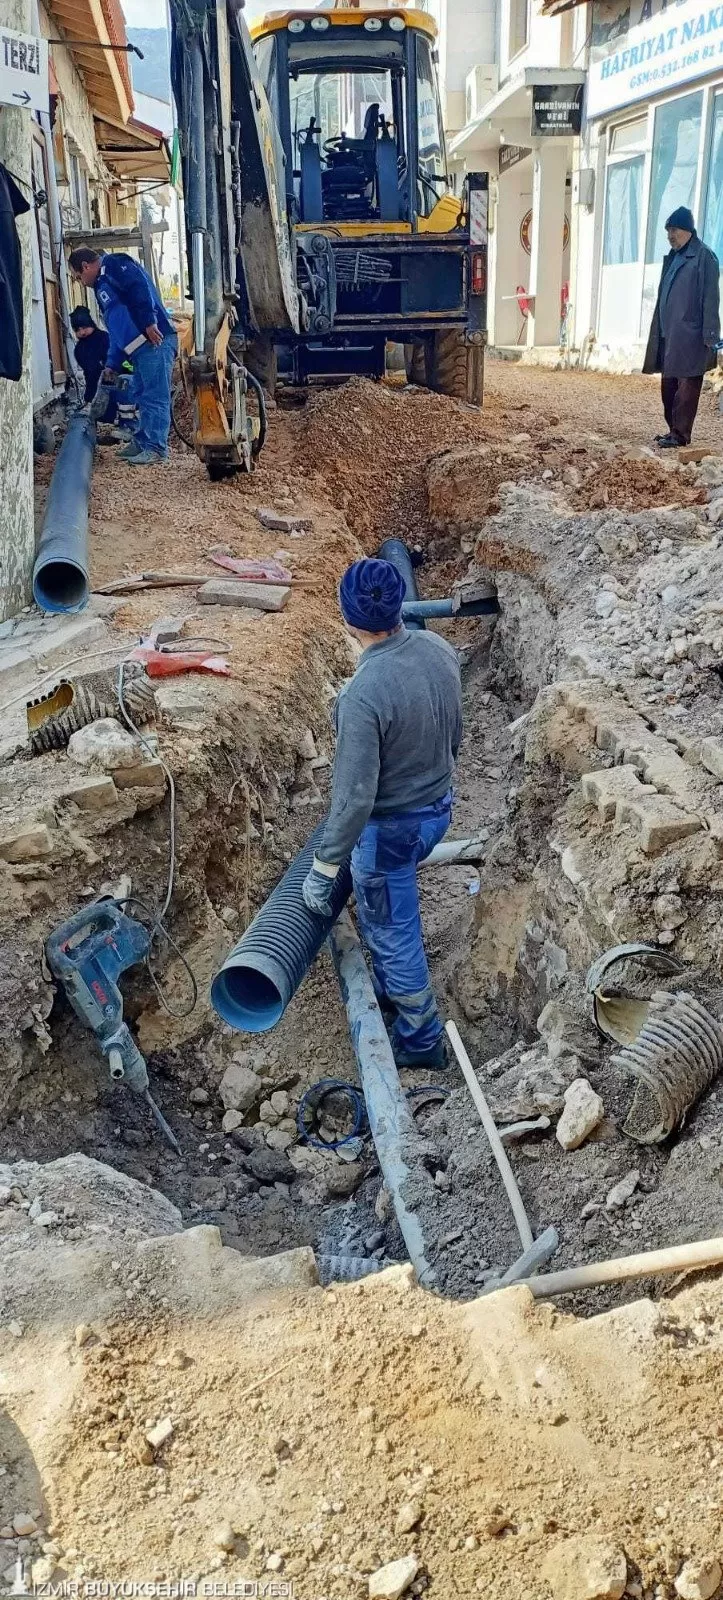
[416,610]
[647,1264]
[395,551]
[264,970]
[60,574]
[390,1119]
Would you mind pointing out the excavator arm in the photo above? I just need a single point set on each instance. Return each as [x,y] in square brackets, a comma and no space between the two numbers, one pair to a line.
[239,241]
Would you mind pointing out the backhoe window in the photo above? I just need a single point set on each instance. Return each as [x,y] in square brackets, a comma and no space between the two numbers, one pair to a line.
[339,103]
[429,131]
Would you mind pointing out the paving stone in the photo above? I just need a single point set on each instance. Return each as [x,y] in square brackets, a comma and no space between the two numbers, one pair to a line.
[284,521]
[92,794]
[147,775]
[606,788]
[258,596]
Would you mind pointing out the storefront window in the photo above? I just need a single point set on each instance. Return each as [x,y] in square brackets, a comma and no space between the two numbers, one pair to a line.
[622,212]
[676,139]
[713,221]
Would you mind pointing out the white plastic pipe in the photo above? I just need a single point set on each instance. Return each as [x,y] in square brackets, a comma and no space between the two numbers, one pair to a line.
[675,1258]
[455,850]
[498,1150]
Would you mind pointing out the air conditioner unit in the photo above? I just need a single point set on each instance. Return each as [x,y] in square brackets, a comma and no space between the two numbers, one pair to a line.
[480,85]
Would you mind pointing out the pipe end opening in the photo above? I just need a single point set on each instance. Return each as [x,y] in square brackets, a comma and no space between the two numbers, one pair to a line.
[60,586]
[246,999]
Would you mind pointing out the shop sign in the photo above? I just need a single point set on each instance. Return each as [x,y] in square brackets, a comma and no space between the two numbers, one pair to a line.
[23,70]
[510,154]
[556,110]
[682,42]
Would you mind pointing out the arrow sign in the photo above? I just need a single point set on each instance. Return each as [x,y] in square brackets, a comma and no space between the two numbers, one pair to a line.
[23,70]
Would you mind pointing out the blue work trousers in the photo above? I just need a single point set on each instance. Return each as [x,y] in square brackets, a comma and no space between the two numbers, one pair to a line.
[151,390]
[384,873]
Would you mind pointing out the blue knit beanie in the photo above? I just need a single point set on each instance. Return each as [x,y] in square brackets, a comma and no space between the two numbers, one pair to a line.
[370,595]
[681,218]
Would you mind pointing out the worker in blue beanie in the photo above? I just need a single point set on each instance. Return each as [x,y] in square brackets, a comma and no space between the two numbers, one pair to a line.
[685,329]
[398,730]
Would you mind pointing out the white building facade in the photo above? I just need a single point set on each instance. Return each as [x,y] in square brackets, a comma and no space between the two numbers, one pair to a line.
[578,207]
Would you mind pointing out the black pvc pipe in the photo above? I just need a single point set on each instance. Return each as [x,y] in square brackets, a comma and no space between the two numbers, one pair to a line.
[60,574]
[396,551]
[264,970]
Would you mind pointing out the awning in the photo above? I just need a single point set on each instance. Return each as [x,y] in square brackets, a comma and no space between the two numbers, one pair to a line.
[134,151]
[85,25]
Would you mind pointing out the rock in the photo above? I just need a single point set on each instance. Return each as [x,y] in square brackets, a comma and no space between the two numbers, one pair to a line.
[17,1329]
[224,1537]
[389,1582]
[275,1561]
[240,1088]
[279,1139]
[586,1568]
[621,1192]
[199,1097]
[271,1166]
[231,1121]
[104,745]
[669,911]
[24,1525]
[306,748]
[699,1578]
[140,1449]
[383,1205]
[539,1092]
[408,1516]
[582,1112]
[374,1241]
[605,603]
[280,1102]
[343,1179]
[46,1219]
[83,1334]
[158,1435]
[27,842]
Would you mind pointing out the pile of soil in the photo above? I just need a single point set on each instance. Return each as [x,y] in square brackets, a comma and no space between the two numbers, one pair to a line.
[633,485]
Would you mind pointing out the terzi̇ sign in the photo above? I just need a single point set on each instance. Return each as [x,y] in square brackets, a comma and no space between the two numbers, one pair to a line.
[682,42]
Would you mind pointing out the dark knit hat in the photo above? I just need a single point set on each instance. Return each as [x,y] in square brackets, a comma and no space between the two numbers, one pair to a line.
[80,317]
[681,218]
[370,595]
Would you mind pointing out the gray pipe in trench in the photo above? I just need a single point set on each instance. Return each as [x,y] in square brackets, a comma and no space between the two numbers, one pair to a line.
[390,1119]
[60,574]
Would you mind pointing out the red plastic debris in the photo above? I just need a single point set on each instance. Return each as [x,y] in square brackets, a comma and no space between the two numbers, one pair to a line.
[168,663]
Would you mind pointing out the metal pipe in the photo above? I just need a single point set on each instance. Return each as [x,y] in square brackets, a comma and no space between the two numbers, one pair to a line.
[395,551]
[199,293]
[648,1264]
[60,574]
[498,1150]
[417,610]
[264,970]
[390,1119]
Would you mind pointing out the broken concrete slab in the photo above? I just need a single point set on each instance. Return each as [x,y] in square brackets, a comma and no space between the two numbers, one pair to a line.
[104,745]
[146,775]
[257,596]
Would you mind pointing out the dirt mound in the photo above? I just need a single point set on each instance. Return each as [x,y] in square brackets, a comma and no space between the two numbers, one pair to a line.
[321,1434]
[463,483]
[633,485]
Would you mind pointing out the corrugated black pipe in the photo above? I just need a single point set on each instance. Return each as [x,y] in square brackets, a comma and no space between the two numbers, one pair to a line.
[60,574]
[264,970]
[396,551]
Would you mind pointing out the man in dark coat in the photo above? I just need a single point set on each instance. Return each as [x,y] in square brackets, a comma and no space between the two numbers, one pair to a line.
[685,328]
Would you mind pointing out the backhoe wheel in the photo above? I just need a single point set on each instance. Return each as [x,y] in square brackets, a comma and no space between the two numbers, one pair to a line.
[260,358]
[415,361]
[457,368]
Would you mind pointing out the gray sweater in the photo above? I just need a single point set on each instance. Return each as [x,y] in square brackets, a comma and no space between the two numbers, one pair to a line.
[398,730]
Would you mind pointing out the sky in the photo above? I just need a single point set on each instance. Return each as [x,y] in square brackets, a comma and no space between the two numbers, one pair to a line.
[145,13]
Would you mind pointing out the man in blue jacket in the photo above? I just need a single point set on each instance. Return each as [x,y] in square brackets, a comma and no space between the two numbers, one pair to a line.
[139,330]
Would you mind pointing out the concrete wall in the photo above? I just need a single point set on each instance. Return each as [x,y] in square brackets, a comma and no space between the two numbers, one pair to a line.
[17,531]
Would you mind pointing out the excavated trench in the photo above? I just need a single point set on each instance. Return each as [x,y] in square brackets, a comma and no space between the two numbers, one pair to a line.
[509,944]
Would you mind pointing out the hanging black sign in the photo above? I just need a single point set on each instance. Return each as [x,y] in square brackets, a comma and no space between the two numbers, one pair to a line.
[510,154]
[556,110]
